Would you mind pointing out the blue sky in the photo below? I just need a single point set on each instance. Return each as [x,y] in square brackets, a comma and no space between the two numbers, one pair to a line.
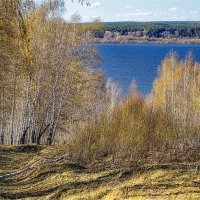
[137,10]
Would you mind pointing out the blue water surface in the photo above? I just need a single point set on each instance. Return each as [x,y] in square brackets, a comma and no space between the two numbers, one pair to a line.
[139,62]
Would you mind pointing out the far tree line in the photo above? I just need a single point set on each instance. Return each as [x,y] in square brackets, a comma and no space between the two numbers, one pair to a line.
[151,29]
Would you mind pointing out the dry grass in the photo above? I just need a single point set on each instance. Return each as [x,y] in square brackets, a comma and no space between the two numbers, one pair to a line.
[65,180]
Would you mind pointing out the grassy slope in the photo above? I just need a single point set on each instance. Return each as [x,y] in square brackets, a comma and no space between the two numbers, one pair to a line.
[64,180]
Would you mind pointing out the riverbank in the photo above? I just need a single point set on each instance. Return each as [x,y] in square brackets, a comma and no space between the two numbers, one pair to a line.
[124,39]
[56,178]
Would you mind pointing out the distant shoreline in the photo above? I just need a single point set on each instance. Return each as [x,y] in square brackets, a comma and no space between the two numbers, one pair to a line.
[152,40]
[161,33]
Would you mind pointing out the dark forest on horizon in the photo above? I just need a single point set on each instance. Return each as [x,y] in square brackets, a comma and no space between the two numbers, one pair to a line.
[176,31]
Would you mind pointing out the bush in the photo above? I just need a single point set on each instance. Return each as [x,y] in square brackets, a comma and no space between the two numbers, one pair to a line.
[152,129]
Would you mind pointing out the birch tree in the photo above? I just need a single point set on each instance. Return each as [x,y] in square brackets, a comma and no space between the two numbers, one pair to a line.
[49,80]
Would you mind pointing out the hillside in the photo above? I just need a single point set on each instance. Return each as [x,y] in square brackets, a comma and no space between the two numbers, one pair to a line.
[52,176]
[68,133]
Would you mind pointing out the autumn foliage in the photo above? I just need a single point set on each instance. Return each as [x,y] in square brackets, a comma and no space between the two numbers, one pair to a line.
[48,82]
[51,92]
[161,127]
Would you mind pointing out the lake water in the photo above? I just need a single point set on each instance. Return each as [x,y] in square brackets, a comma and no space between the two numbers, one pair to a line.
[125,62]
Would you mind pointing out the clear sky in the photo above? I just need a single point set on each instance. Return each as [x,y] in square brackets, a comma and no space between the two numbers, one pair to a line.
[137,10]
